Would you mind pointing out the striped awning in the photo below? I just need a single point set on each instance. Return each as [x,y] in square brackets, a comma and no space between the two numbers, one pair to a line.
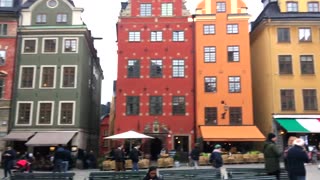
[300,125]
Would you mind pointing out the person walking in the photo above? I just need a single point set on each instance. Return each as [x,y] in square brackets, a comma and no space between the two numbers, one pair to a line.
[216,159]
[8,159]
[272,156]
[134,156]
[119,157]
[194,156]
[296,158]
[58,158]
[286,149]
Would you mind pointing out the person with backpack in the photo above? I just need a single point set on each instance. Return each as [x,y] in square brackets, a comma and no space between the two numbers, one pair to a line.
[134,156]
[216,159]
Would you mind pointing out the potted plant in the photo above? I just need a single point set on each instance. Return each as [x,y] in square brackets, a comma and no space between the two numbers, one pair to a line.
[176,159]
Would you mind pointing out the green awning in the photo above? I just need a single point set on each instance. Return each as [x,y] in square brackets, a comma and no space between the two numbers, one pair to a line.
[299,125]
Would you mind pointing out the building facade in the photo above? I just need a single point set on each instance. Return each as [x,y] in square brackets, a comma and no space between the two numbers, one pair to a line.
[58,74]
[8,43]
[224,106]
[284,48]
[155,85]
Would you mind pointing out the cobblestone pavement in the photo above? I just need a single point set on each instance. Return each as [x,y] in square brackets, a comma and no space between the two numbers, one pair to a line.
[313,173]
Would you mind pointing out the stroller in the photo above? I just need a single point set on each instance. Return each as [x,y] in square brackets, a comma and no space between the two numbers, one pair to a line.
[22,165]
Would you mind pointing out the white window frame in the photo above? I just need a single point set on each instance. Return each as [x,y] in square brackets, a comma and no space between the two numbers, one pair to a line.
[38,113]
[73,113]
[62,18]
[6,5]
[178,36]
[234,28]
[43,45]
[17,113]
[156,36]
[292,6]
[134,36]
[70,38]
[75,76]
[23,46]
[165,9]
[54,77]
[34,76]
[209,29]
[3,55]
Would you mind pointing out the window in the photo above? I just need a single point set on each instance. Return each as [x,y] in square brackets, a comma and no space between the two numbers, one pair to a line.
[27,76]
[310,99]
[156,68]
[178,68]
[285,64]
[50,45]
[41,19]
[70,45]
[3,29]
[287,100]
[234,84]
[6,3]
[283,34]
[210,84]
[29,46]
[62,18]
[235,114]
[232,29]
[47,78]
[133,105]
[221,7]
[306,63]
[2,57]
[2,88]
[68,77]
[166,9]
[210,116]
[313,7]
[45,113]
[178,105]
[209,54]
[134,36]
[305,34]
[133,69]
[156,36]
[233,54]
[66,112]
[209,29]
[145,9]
[24,113]
[178,36]
[155,105]
[292,7]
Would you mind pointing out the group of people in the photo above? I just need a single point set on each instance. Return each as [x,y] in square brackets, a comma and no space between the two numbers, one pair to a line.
[295,156]
[119,155]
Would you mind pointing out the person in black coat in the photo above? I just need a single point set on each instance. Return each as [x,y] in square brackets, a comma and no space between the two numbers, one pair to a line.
[194,155]
[152,174]
[216,159]
[134,156]
[296,158]
[8,158]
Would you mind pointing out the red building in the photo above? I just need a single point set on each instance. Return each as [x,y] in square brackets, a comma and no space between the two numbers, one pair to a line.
[104,129]
[8,36]
[154,93]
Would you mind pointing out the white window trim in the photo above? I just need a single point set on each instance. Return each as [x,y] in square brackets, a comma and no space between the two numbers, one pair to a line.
[75,77]
[38,111]
[54,77]
[63,45]
[43,45]
[17,113]
[73,113]
[36,46]
[34,76]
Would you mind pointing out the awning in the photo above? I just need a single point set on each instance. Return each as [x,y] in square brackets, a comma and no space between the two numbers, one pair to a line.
[18,136]
[299,125]
[51,138]
[231,133]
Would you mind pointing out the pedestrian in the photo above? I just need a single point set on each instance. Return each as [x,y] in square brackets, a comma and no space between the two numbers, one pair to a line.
[134,156]
[194,156]
[118,157]
[272,156]
[152,174]
[297,156]
[216,159]
[285,152]
[66,159]
[92,161]
[58,158]
[8,158]
[30,158]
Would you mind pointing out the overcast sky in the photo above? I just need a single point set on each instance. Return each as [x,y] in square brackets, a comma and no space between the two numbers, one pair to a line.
[101,19]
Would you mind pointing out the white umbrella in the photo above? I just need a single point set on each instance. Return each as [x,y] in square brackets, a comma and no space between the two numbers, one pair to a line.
[129,135]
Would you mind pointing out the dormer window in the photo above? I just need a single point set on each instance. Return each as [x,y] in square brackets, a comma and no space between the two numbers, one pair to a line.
[292,7]
[221,7]
[62,18]
[41,19]
[6,3]
[313,7]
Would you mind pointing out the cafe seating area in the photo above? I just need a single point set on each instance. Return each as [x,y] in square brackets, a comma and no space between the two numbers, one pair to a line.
[234,158]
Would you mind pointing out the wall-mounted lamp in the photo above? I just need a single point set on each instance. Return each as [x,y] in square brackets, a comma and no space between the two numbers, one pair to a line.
[74,148]
[52,148]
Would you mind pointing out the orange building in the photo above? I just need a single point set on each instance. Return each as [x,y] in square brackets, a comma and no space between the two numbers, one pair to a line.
[224,108]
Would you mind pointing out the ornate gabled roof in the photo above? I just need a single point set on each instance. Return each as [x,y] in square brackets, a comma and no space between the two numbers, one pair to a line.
[29,3]
[272,12]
